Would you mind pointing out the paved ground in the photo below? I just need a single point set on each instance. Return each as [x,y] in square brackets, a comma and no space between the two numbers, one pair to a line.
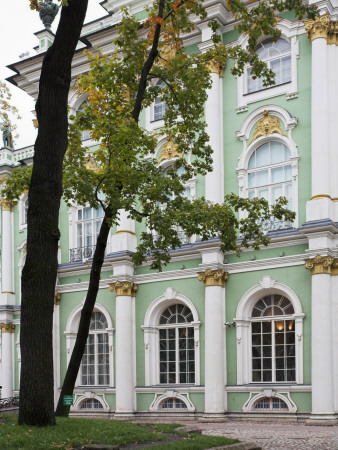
[273,436]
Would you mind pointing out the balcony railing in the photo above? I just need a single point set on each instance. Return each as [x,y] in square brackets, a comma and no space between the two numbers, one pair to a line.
[81,253]
[274,225]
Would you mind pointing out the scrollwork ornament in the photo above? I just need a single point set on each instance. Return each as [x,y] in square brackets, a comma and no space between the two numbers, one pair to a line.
[7,327]
[123,288]
[266,126]
[319,264]
[213,277]
[318,28]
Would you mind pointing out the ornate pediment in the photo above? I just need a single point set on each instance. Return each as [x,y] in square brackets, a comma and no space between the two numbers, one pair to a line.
[266,126]
[169,151]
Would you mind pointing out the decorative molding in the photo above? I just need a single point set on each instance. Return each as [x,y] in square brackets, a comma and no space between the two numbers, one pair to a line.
[169,151]
[216,67]
[266,126]
[6,205]
[7,327]
[57,298]
[318,28]
[125,288]
[125,231]
[91,165]
[211,277]
[320,264]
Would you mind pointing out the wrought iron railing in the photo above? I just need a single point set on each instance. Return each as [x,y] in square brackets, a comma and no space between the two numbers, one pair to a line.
[81,253]
[273,224]
[9,402]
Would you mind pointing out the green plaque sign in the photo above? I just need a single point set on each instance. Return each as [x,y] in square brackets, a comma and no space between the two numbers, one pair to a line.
[68,400]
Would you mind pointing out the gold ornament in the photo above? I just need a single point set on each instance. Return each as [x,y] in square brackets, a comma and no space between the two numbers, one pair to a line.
[35,123]
[90,165]
[215,277]
[318,28]
[266,126]
[57,298]
[127,288]
[7,327]
[78,87]
[319,264]
[169,151]
[216,67]
[166,53]
[6,205]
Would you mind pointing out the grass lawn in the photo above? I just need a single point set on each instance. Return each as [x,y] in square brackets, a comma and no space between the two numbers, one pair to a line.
[70,433]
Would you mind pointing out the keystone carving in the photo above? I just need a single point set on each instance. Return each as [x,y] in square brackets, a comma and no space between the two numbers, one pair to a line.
[266,126]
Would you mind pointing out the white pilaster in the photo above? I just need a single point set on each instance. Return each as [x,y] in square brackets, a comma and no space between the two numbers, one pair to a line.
[7,377]
[7,281]
[56,346]
[214,181]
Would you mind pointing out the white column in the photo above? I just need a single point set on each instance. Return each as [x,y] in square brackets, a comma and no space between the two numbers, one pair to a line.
[125,238]
[56,346]
[125,347]
[215,374]
[320,206]
[7,255]
[321,337]
[214,182]
[7,331]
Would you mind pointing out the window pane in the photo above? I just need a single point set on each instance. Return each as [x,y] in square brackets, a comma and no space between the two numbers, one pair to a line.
[277,175]
[277,152]
[263,156]
[252,179]
[87,213]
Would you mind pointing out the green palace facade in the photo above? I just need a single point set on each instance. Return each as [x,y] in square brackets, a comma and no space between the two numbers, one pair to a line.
[213,335]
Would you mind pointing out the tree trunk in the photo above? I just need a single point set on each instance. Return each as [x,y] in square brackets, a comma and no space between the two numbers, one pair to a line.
[86,313]
[39,273]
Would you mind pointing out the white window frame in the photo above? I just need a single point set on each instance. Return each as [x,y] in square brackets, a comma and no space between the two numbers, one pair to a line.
[151,335]
[250,147]
[289,32]
[243,320]
[22,212]
[71,333]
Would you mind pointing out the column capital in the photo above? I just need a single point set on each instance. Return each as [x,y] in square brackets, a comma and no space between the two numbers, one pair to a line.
[318,28]
[320,264]
[57,298]
[7,327]
[215,277]
[6,205]
[216,67]
[127,288]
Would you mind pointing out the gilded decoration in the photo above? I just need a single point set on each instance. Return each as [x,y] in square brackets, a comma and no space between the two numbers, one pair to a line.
[166,53]
[216,67]
[35,123]
[57,298]
[127,288]
[6,205]
[215,277]
[169,151]
[90,165]
[78,87]
[266,126]
[7,327]
[320,265]
[322,27]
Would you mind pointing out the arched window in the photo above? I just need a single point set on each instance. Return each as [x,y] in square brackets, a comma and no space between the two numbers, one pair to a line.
[173,404]
[277,56]
[95,360]
[270,177]
[159,105]
[85,134]
[91,403]
[273,340]
[176,344]
[270,404]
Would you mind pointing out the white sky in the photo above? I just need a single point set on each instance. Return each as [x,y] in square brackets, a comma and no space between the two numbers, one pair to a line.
[17,27]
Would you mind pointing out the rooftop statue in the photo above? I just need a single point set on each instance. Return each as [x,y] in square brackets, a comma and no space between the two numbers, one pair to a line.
[6,129]
[48,11]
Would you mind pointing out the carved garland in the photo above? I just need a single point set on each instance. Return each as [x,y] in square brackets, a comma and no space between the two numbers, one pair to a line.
[213,277]
[266,126]
[126,288]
